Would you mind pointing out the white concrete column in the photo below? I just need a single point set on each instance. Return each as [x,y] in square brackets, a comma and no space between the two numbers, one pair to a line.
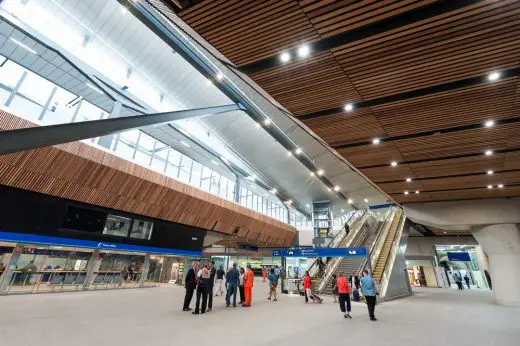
[502,245]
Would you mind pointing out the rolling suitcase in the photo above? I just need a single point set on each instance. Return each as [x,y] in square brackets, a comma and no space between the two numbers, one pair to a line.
[355,295]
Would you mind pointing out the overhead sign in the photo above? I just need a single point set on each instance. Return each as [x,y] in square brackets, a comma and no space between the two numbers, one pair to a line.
[459,257]
[38,239]
[322,252]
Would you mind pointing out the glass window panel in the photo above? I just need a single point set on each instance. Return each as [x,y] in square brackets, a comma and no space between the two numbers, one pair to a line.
[205,178]
[88,111]
[223,186]
[231,190]
[254,204]
[129,136]
[215,183]
[146,142]
[60,111]
[141,229]
[36,88]
[174,160]
[10,73]
[184,173]
[117,225]
[159,159]
[124,150]
[142,157]
[196,174]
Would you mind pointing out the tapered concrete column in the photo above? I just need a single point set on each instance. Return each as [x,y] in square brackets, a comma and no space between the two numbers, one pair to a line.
[502,245]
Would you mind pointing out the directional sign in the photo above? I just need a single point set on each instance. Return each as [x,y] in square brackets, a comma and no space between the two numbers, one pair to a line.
[322,252]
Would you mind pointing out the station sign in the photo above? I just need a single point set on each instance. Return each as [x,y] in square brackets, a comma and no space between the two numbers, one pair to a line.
[322,252]
[459,257]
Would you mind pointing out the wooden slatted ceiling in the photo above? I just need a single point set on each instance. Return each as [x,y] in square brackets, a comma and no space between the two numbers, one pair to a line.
[82,173]
[457,194]
[463,43]
[247,30]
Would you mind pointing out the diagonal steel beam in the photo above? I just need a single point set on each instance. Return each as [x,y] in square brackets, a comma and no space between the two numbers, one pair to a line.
[35,137]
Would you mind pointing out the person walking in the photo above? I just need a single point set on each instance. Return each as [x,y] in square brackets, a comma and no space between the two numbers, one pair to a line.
[307,284]
[368,288]
[273,283]
[353,281]
[249,279]
[219,282]
[232,279]
[282,280]
[190,283]
[203,278]
[344,295]
[466,278]
[347,229]
[242,273]
[264,274]
[211,284]
[458,281]
[334,286]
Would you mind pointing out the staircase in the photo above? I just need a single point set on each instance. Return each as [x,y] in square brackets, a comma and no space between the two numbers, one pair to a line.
[347,266]
[379,268]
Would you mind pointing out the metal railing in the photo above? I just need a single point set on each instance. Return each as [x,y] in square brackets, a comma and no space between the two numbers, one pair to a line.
[354,239]
[377,245]
[339,238]
[387,270]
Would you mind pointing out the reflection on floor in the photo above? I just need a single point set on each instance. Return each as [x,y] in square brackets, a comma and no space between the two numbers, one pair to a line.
[153,317]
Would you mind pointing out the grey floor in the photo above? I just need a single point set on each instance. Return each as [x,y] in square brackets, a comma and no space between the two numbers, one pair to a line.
[153,317]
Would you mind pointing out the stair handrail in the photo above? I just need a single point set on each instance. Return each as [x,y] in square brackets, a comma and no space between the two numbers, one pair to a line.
[331,268]
[387,269]
[355,217]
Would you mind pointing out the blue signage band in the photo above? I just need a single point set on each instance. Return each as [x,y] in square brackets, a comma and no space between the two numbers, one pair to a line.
[322,252]
[88,244]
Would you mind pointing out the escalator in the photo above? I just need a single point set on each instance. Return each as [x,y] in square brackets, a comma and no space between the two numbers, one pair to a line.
[382,259]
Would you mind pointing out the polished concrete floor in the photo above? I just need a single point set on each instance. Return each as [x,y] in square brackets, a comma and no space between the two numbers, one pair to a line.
[153,316]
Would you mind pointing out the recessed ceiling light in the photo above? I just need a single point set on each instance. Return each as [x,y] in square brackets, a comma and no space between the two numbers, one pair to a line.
[445,232]
[417,192]
[366,200]
[408,180]
[289,201]
[488,152]
[285,57]
[124,10]
[320,172]
[349,107]
[274,191]
[490,186]
[298,151]
[393,163]
[209,82]
[311,174]
[308,206]
[490,172]
[500,186]
[258,125]
[267,121]
[342,210]
[185,144]
[494,76]
[328,189]
[489,123]
[220,76]
[304,51]
[376,141]
[215,162]
[289,153]
[336,188]
[406,192]
[350,201]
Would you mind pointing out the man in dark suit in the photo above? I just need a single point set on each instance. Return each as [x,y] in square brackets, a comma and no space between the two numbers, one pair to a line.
[190,284]
[354,281]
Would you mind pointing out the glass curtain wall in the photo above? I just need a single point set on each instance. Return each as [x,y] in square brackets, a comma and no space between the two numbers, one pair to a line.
[35,92]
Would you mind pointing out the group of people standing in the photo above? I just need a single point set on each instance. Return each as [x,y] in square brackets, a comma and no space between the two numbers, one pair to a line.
[202,279]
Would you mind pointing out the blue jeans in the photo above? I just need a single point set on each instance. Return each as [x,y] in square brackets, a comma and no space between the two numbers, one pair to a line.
[231,289]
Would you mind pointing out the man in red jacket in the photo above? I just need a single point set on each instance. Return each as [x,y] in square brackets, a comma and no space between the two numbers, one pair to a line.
[344,295]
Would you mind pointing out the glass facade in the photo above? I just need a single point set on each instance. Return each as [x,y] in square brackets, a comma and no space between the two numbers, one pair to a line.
[35,92]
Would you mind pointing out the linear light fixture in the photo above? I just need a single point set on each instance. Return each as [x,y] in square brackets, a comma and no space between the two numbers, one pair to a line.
[27,48]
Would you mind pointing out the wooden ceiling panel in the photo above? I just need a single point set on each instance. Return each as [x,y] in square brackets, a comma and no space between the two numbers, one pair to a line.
[306,87]
[402,186]
[472,105]
[463,165]
[335,17]
[246,31]
[512,160]
[342,128]
[382,153]
[451,195]
[388,173]
[402,198]
[481,180]
[460,143]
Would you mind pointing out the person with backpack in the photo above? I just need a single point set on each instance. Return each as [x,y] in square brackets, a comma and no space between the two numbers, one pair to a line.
[219,282]
[273,283]
[203,278]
